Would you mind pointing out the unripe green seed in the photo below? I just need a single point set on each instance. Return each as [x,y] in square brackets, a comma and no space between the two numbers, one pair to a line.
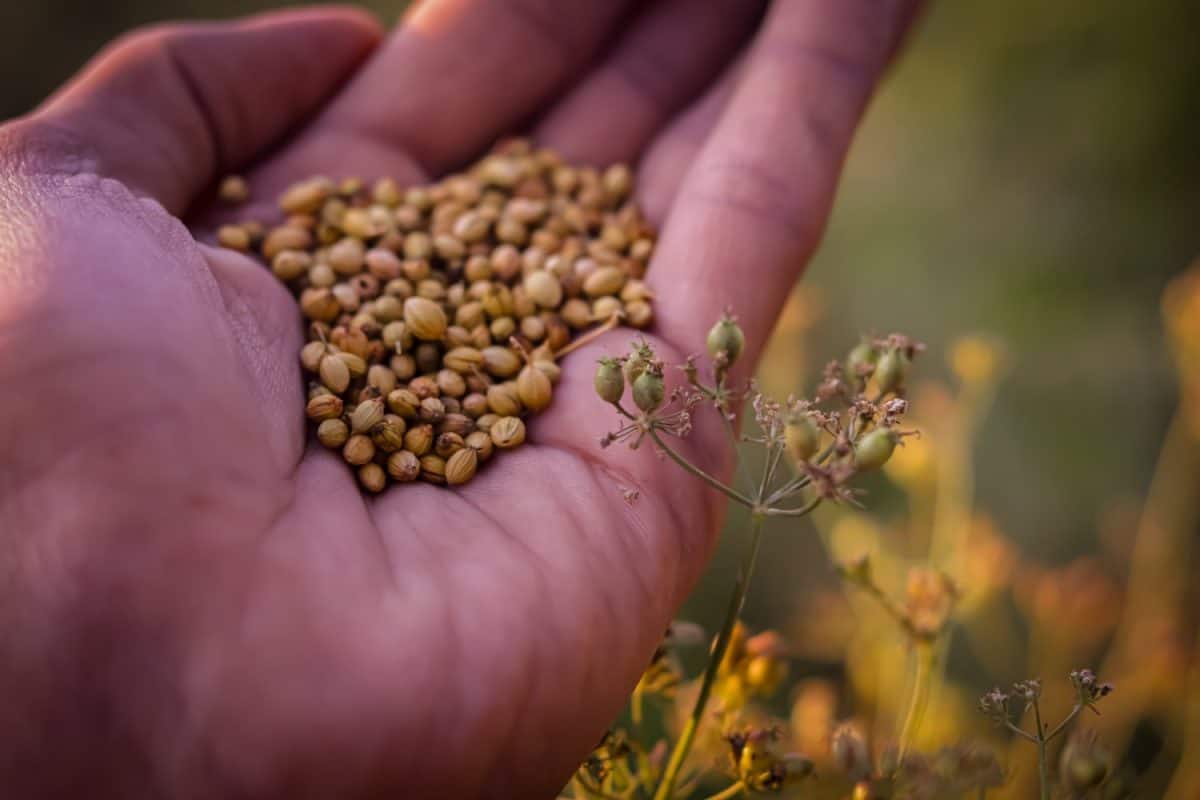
[801,437]
[873,450]
[609,381]
[891,371]
[726,340]
[862,359]
[648,390]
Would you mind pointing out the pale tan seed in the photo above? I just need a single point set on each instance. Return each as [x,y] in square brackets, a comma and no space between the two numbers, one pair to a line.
[358,450]
[534,389]
[543,288]
[503,362]
[233,237]
[507,432]
[433,469]
[334,373]
[503,400]
[324,407]
[333,433]
[372,477]
[419,439]
[604,281]
[366,415]
[461,466]
[424,318]
[233,190]
[403,466]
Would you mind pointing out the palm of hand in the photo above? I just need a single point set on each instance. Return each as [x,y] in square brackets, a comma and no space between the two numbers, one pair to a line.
[293,635]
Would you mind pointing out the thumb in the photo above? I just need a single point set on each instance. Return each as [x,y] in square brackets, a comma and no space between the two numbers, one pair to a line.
[169,108]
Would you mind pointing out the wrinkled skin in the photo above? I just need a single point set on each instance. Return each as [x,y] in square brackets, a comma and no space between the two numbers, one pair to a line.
[195,600]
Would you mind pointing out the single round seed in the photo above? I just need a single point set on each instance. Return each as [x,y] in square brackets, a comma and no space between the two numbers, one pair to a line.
[460,467]
[507,432]
[372,477]
[419,439]
[358,450]
[543,288]
[403,466]
[433,469]
[534,389]
[334,373]
[233,190]
[424,318]
[323,407]
[333,433]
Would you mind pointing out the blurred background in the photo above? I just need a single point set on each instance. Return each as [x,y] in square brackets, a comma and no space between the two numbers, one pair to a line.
[1025,187]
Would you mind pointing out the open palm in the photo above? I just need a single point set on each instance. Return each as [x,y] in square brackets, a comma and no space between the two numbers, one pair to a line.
[195,602]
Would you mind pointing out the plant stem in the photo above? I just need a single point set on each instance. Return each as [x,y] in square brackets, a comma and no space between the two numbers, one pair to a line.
[1043,772]
[920,695]
[1066,721]
[732,494]
[728,792]
[667,785]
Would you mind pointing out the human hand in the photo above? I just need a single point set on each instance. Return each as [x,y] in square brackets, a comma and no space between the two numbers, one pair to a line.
[196,603]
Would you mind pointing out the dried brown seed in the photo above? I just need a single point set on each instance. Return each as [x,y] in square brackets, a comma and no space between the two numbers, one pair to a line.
[403,466]
[549,368]
[604,281]
[503,400]
[347,256]
[639,314]
[288,265]
[403,403]
[234,237]
[423,387]
[475,405]
[388,435]
[323,407]
[285,237]
[481,443]
[233,190]
[419,439]
[333,433]
[460,467]
[424,318]
[382,263]
[507,432]
[543,288]
[372,477]
[463,359]
[319,304]
[447,444]
[503,362]
[355,363]
[534,389]
[433,469]
[451,383]
[359,449]
[382,378]
[366,415]
[306,197]
[456,422]
[405,366]
[311,355]
[334,373]
[431,410]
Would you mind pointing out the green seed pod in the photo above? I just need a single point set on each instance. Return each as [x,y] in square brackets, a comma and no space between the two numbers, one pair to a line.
[891,371]
[726,340]
[609,382]
[648,390]
[801,437]
[862,359]
[873,450]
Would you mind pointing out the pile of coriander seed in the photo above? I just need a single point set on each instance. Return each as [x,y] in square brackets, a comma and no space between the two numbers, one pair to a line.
[436,314]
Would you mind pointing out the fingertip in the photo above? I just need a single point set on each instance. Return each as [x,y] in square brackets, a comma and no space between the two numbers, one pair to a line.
[350,28]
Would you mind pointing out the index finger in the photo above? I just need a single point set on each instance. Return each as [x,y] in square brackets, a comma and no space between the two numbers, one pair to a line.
[753,205]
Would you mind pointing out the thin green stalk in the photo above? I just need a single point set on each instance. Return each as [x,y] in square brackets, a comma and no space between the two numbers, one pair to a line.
[732,494]
[919,698]
[684,744]
[1067,721]
[1043,768]
[728,792]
